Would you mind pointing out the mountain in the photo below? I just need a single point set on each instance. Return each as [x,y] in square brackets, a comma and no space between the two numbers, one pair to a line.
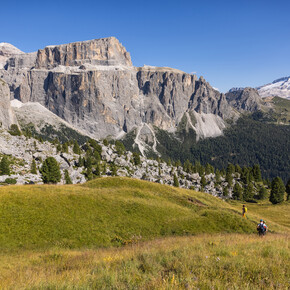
[278,88]
[94,86]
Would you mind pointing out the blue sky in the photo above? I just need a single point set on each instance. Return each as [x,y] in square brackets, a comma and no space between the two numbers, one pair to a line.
[230,43]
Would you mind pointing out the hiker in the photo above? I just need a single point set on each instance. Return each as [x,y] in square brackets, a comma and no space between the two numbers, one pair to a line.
[244,211]
[261,228]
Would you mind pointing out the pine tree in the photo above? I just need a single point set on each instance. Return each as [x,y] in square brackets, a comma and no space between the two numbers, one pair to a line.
[229,178]
[120,148]
[202,182]
[226,191]
[257,173]
[50,171]
[5,166]
[104,169]
[177,163]
[76,148]
[33,169]
[288,189]
[64,147]
[277,190]
[80,161]
[217,176]
[237,192]
[136,158]
[105,142]
[98,170]
[230,168]
[238,169]
[248,192]
[58,148]
[187,166]
[263,193]
[175,181]
[113,169]
[67,177]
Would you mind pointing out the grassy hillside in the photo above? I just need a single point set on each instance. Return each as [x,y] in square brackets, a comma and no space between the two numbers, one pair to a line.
[106,212]
[53,237]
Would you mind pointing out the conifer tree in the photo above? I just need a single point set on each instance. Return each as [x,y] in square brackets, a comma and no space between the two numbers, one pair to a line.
[175,181]
[50,171]
[105,142]
[226,191]
[98,170]
[76,148]
[65,147]
[262,193]
[67,177]
[237,192]
[80,161]
[257,173]
[104,168]
[248,192]
[113,169]
[277,190]
[5,166]
[202,182]
[136,158]
[217,176]
[187,166]
[33,169]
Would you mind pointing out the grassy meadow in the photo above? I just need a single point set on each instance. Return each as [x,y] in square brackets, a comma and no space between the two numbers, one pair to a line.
[121,233]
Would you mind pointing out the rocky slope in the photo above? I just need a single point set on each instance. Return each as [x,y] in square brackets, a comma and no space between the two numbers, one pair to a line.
[246,99]
[278,88]
[94,86]
[7,116]
[22,150]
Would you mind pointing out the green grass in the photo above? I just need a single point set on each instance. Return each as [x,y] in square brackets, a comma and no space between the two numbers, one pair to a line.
[107,212]
[219,261]
[281,112]
[122,233]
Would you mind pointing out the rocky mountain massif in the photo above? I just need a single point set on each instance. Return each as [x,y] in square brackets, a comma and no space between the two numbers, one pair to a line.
[94,87]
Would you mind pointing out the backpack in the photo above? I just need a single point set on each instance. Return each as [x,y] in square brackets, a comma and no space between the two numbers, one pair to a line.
[261,227]
[246,209]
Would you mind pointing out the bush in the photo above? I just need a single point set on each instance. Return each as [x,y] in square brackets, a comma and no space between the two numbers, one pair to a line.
[10,181]
[14,130]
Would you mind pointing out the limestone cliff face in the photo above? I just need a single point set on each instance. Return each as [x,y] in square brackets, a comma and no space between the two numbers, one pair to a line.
[7,117]
[106,51]
[93,86]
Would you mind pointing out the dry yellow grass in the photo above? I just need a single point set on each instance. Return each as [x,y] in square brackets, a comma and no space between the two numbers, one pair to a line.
[233,261]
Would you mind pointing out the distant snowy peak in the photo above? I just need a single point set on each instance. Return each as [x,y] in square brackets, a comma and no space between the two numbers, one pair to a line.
[279,88]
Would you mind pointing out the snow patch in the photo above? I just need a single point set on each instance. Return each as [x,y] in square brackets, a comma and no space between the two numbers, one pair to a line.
[279,88]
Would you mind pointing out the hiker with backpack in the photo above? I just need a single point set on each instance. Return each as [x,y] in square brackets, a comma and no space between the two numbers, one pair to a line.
[244,210]
[261,228]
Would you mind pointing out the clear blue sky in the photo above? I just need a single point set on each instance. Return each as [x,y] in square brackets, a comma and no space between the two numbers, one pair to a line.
[231,43]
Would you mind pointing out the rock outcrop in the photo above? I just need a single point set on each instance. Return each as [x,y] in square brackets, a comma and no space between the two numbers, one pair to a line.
[94,86]
[247,99]
[7,117]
